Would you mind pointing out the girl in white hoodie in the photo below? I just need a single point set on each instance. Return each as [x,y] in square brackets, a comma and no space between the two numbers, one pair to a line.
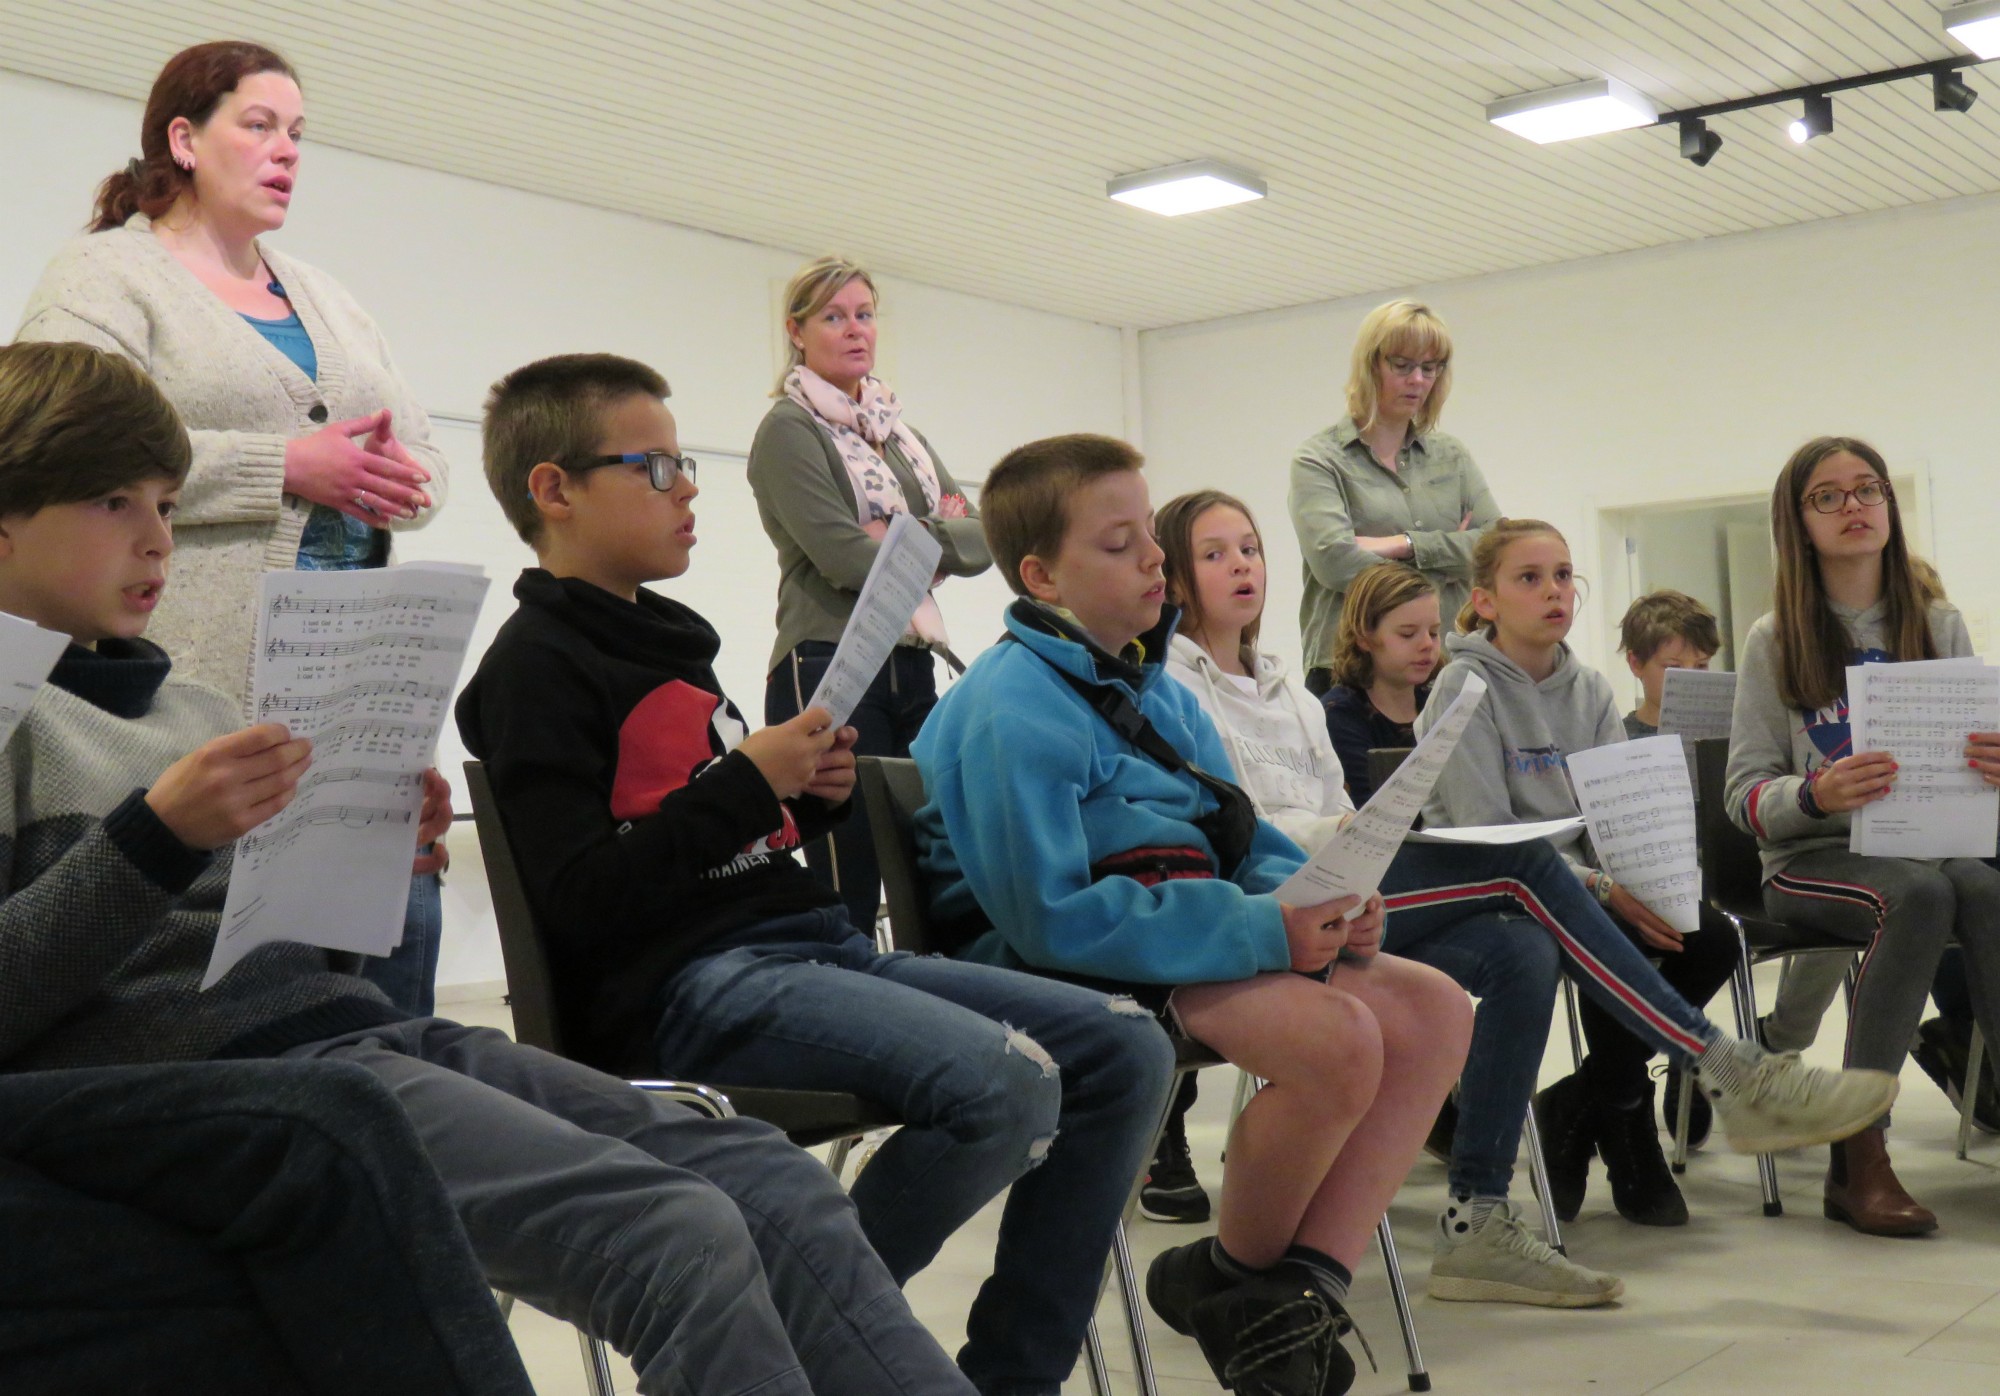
[1502,921]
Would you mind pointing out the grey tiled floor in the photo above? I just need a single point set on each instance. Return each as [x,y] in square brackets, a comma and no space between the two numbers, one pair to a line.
[1732,1303]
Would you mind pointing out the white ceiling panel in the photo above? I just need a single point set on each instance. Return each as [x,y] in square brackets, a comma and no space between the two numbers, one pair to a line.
[967,142]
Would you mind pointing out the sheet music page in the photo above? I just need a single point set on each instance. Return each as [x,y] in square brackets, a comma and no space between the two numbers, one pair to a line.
[1697,703]
[1352,862]
[1921,713]
[1639,805]
[27,654]
[364,664]
[1498,833]
[897,582]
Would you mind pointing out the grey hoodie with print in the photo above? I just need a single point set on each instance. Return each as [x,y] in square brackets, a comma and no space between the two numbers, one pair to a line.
[1509,765]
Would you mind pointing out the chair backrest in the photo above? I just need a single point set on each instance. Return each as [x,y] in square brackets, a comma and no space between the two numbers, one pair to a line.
[1732,874]
[1383,762]
[892,788]
[528,986]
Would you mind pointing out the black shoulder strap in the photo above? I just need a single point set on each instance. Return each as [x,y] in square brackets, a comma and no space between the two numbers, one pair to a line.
[1232,825]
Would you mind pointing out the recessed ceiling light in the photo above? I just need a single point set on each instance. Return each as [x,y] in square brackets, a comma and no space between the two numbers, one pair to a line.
[1187,188]
[1977,26]
[1578,109]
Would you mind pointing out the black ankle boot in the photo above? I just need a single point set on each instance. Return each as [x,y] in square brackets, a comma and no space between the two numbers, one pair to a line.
[1563,1117]
[1641,1187]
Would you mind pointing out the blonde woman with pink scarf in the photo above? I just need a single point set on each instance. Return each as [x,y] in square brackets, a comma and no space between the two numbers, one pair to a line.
[833,461]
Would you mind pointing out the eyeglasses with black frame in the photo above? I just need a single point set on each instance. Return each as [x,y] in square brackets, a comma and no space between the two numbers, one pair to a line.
[663,468]
[1831,499]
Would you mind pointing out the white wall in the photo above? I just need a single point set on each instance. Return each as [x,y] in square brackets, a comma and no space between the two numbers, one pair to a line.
[469,280]
[1684,373]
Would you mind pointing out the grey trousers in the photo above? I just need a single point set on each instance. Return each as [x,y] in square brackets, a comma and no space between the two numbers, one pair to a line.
[1900,913]
[1804,994]
[714,1254]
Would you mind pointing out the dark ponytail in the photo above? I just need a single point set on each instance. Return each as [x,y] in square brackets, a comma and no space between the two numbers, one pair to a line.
[192,84]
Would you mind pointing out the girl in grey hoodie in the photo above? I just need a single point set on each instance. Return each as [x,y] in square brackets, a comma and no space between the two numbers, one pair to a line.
[1541,705]
[1502,921]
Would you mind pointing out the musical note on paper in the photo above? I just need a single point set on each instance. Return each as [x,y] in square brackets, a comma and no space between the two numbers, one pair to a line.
[1921,713]
[898,581]
[364,664]
[1351,863]
[1697,703]
[27,654]
[1638,804]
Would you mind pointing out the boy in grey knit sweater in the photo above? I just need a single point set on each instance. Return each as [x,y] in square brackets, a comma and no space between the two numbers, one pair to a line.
[713,1253]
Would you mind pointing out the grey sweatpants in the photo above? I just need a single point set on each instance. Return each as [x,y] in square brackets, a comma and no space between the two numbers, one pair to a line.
[1805,992]
[713,1253]
[1900,912]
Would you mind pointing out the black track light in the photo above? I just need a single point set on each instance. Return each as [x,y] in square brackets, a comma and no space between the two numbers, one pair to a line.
[1816,120]
[1950,92]
[1698,143]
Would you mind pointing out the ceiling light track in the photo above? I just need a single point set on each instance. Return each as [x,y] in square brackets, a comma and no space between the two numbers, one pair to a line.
[1946,66]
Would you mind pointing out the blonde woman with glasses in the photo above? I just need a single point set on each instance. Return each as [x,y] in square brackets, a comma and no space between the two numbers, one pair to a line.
[1383,484]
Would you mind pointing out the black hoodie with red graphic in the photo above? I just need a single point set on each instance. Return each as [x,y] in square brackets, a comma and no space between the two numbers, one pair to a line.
[641,833]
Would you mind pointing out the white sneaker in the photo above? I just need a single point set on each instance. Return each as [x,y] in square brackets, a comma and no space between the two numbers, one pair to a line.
[1786,1104]
[1503,1263]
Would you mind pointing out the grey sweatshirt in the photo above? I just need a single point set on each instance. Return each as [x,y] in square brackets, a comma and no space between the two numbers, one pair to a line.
[1509,765]
[1774,750]
[107,919]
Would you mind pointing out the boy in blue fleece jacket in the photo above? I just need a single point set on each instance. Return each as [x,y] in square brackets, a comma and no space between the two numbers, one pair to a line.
[1084,856]
[654,834]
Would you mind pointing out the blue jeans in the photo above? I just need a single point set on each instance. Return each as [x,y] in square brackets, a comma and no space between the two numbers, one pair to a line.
[998,1077]
[888,719]
[1501,921]
[408,974]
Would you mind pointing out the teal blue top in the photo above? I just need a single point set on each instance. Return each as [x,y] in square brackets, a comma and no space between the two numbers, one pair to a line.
[332,542]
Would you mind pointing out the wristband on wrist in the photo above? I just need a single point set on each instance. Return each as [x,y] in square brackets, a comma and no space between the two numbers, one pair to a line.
[1809,801]
[1602,886]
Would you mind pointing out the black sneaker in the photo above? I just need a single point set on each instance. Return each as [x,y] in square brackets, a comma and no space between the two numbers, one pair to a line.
[1569,1138]
[1172,1192]
[1180,1278]
[1642,1188]
[1944,1053]
[1275,1334]
[1700,1118]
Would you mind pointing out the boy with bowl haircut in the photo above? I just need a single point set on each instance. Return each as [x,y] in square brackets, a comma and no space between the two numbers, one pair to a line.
[656,839]
[1663,630]
[713,1253]
[1075,826]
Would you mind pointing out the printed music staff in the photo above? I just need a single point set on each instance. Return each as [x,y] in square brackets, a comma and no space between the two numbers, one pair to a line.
[364,664]
[1921,713]
[1638,804]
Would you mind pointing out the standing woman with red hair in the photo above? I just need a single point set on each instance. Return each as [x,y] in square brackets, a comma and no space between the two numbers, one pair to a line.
[308,446]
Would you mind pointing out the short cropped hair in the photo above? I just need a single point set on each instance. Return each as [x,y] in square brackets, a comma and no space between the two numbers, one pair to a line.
[1025,503]
[552,410]
[1660,616]
[78,423]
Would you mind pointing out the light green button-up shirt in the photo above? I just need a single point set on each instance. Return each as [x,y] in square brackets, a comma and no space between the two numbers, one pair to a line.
[1339,490]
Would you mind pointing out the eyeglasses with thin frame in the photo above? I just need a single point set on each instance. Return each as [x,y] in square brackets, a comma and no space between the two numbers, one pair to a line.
[1831,499]
[1403,367]
[663,468]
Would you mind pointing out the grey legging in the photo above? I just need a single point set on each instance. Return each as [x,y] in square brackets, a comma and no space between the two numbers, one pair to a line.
[1901,913]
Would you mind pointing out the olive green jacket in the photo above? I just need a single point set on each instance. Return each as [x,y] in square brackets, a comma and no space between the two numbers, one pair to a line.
[1339,490]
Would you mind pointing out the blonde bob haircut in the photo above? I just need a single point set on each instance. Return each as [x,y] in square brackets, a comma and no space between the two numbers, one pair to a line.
[1385,587]
[807,294]
[1400,329]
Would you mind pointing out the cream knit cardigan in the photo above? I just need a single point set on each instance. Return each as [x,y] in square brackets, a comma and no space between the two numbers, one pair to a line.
[242,400]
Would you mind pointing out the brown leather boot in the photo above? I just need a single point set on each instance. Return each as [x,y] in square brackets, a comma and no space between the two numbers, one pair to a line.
[1862,1190]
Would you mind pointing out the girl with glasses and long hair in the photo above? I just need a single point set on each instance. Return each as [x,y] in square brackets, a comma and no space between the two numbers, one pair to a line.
[1848,593]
